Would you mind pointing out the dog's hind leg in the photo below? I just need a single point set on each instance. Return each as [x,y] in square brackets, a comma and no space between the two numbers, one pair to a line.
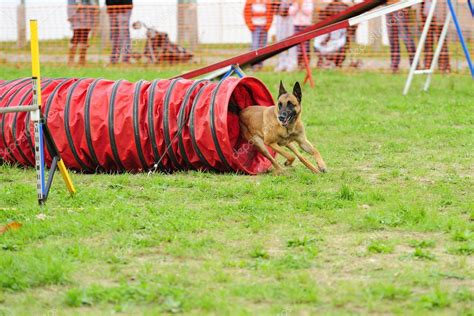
[305,161]
[289,157]
[260,145]
[309,148]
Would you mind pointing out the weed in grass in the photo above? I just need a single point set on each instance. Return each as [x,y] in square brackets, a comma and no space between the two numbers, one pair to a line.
[421,254]
[9,247]
[382,291]
[346,193]
[422,243]
[377,196]
[463,294]
[76,298]
[222,277]
[259,253]
[294,261]
[380,246]
[445,202]
[462,235]
[303,242]
[436,299]
[464,249]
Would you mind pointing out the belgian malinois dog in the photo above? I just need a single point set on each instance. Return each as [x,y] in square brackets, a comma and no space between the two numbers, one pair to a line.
[280,126]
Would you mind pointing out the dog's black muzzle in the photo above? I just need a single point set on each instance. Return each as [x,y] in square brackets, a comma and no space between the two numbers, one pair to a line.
[286,118]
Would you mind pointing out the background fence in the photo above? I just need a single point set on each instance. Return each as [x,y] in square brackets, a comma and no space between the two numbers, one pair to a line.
[206,32]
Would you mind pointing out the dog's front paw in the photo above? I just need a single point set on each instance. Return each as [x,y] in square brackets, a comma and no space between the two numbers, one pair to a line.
[289,162]
[322,167]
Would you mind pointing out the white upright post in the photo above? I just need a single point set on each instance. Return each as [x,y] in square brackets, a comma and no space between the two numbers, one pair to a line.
[439,47]
[419,49]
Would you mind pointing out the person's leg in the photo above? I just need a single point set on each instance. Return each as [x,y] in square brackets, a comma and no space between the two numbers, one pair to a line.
[114,37]
[298,47]
[340,57]
[292,53]
[263,41]
[255,35]
[83,46]
[263,38]
[443,62]
[73,47]
[125,33]
[320,59]
[392,28]
[405,32]
[428,46]
[287,30]
[255,40]
[259,39]
[120,34]
[280,34]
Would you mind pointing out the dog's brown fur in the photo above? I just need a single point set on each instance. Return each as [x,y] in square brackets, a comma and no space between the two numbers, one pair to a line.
[280,126]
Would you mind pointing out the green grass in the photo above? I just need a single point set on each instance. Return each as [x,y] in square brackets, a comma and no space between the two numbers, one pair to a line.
[388,230]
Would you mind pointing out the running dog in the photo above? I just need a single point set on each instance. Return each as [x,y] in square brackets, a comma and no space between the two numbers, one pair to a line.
[280,126]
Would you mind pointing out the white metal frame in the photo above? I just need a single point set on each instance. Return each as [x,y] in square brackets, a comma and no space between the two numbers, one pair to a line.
[439,47]
[419,49]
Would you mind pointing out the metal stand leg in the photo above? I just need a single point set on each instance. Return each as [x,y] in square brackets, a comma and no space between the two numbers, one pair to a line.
[419,49]
[439,47]
[234,69]
[461,37]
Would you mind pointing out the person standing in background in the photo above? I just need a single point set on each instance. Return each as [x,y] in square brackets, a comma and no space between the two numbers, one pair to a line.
[333,47]
[434,31]
[302,12]
[284,29]
[398,26]
[258,15]
[82,14]
[119,12]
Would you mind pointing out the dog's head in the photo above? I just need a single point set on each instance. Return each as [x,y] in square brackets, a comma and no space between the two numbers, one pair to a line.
[289,105]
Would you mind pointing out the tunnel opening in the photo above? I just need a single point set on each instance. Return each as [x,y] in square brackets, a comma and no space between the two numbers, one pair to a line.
[247,92]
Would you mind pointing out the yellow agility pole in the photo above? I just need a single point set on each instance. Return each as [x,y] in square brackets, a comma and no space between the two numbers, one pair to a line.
[35,64]
[42,128]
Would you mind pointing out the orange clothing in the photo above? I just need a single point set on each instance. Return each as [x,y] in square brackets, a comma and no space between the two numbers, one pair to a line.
[253,14]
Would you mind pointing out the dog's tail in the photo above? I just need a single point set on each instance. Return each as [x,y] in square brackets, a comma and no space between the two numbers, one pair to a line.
[234,108]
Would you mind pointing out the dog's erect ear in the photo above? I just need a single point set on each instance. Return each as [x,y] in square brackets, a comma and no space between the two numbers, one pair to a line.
[282,89]
[297,91]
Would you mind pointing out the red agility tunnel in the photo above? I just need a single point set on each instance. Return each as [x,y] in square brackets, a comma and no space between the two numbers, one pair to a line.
[117,126]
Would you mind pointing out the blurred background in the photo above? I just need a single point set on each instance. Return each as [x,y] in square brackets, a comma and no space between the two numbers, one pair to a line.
[191,33]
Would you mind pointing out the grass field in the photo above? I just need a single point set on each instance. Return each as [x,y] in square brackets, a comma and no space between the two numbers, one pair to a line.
[390,229]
